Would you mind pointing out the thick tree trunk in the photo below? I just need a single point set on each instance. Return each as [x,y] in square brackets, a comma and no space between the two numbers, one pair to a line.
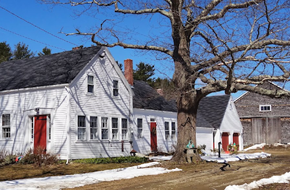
[186,117]
[188,98]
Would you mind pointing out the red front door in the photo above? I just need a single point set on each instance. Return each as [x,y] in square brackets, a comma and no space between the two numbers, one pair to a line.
[225,141]
[153,136]
[236,138]
[40,132]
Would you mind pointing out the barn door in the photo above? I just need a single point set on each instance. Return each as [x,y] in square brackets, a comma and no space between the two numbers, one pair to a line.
[40,132]
[236,138]
[153,135]
[273,130]
[259,130]
[225,141]
[266,130]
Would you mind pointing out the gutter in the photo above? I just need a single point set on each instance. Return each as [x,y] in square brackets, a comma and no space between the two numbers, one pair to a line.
[33,88]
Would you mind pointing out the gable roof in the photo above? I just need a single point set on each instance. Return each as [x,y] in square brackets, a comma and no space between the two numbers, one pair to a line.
[211,111]
[267,85]
[147,97]
[54,69]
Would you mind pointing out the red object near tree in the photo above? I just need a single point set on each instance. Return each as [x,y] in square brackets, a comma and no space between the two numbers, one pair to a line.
[225,141]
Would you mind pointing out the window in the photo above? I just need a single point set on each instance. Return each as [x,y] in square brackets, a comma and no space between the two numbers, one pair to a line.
[124,129]
[105,130]
[139,127]
[265,108]
[93,127]
[90,84]
[115,88]
[173,130]
[81,127]
[114,128]
[6,126]
[166,124]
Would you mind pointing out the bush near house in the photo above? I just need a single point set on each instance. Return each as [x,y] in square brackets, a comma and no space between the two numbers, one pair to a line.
[40,158]
[37,158]
[127,159]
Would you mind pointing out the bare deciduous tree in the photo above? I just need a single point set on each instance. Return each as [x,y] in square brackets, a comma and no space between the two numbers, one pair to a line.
[229,45]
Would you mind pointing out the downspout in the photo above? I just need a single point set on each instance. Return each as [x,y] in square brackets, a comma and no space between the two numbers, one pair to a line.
[68,125]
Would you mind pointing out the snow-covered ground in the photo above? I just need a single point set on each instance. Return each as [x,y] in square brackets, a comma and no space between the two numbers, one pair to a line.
[70,181]
[285,178]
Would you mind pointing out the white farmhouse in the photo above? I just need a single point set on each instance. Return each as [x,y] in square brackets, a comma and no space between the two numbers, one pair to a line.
[79,104]
[76,104]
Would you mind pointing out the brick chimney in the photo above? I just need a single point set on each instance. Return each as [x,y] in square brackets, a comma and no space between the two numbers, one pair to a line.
[128,63]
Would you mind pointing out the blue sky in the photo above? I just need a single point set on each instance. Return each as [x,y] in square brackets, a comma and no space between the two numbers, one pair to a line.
[39,25]
[16,16]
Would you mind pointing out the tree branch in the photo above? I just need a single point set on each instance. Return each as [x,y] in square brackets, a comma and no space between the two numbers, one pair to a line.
[141,47]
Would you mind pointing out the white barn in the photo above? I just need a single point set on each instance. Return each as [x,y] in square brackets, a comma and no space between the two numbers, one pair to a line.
[218,121]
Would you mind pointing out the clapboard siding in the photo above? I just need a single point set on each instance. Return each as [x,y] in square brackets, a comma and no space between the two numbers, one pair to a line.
[99,104]
[143,144]
[21,105]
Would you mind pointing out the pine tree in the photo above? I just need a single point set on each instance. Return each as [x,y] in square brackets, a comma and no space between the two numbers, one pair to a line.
[45,51]
[21,51]
[5,52]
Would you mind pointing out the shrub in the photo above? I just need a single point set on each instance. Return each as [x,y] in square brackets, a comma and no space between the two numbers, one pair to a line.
[3,155]
[127,159]
[39,157]
[6,158]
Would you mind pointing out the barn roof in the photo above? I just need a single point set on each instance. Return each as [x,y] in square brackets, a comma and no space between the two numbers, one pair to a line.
[267,85]
[211,111]
[54,69]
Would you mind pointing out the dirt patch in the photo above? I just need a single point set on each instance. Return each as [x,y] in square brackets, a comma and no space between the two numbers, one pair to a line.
[208,175]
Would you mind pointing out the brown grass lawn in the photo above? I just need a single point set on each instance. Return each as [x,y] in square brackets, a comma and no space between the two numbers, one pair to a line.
[200,176]
[19,171]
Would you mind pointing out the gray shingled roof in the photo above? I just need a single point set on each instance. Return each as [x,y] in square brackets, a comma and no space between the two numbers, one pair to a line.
[59,68]
[147,97]
[211,111]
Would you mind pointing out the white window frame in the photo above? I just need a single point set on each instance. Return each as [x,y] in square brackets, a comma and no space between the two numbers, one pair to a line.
[31,124]
[166,129]
[90,85]
[115,128]
[115,85]
[173,130]
[139,127]
[264,108]
[49,133]
[124,124]
[93,127]
[6,127]
[105,127]
[81,128]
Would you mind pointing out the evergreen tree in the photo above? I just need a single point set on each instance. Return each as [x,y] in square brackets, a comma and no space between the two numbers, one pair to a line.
[144,72]
[21,51]
[5,52]
[45,51]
